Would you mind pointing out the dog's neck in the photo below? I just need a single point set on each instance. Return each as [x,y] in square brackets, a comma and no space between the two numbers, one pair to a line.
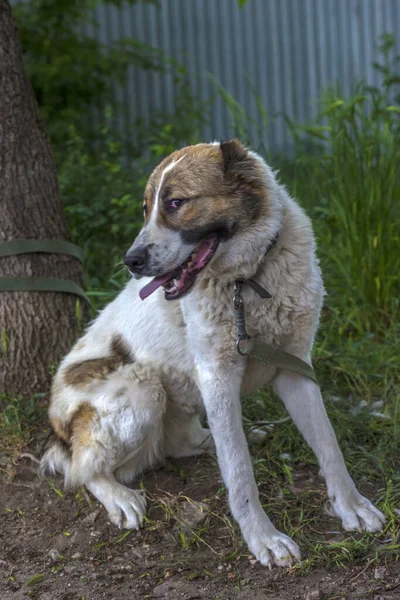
[245,253]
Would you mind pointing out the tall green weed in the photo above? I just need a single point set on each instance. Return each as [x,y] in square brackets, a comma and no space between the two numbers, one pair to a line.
[351,185]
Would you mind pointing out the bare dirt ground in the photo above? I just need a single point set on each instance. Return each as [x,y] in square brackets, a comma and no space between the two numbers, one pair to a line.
[54,545]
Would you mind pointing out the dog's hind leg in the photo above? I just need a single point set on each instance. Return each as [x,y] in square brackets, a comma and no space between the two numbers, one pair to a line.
[303,400]
[116,435]
[185,436]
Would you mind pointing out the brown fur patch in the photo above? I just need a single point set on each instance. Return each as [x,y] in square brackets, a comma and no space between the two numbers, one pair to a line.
[222,188]
[80,425]
[121,349]
[81,373]
[62,430]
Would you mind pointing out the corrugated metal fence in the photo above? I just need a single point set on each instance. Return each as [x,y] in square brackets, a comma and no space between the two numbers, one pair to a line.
[287,49]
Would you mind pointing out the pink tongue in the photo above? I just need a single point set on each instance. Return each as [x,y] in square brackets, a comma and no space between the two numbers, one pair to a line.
[199,262]
[153,285]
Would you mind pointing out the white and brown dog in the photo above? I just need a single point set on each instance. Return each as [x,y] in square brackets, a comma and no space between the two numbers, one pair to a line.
[133,389]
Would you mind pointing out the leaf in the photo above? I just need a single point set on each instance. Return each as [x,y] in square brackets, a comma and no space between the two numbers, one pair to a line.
[393,108]
[56,490]
[121,538]
[333,106]
[35,579]
[242,3]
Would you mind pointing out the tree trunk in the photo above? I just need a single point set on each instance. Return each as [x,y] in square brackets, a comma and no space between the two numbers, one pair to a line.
[36,328]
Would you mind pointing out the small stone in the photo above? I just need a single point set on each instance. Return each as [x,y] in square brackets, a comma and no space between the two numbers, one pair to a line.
[54,554]
[286,456]
[380,571]
[77,556]
[95,533]
[313,593]
[90,519]
[193,514]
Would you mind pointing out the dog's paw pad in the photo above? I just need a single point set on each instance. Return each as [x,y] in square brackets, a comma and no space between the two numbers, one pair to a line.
[358,514]
[275,549]
[128,509]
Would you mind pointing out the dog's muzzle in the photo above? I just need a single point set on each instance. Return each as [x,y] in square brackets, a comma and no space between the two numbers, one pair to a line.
[136,260]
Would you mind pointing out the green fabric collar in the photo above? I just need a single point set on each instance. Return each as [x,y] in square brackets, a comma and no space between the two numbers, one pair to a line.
[266,353]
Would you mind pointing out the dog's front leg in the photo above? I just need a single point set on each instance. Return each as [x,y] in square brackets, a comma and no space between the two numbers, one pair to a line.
[220,387]
[303,400]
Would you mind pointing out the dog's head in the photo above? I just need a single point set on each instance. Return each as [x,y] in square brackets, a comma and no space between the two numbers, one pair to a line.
[196,201]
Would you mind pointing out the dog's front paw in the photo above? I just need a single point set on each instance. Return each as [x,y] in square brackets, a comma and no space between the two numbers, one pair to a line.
[271,547]
[356,512]
[127,508]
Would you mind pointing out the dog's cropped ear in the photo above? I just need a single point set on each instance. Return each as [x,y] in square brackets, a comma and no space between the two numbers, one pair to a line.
[233,154]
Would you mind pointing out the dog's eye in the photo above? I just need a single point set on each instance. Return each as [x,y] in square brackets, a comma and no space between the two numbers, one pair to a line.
[175,203]
[145,210]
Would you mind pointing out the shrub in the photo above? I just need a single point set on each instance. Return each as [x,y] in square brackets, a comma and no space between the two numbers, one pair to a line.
[71,72]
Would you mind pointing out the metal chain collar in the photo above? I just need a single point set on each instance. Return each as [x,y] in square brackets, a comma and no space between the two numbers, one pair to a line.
[239,316]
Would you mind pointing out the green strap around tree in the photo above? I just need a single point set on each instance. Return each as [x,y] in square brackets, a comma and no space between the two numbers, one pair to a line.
[15,247]
[279,358]
[41,284]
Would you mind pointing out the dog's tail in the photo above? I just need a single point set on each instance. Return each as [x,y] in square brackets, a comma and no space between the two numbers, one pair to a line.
[57,459]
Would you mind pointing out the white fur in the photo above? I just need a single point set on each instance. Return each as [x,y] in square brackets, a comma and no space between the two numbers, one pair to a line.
[185,362]
[154,212]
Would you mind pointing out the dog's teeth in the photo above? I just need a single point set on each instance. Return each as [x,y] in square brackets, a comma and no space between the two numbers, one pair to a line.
[176,282]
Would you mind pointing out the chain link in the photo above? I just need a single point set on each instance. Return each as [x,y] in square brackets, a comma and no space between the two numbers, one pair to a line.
[239,315]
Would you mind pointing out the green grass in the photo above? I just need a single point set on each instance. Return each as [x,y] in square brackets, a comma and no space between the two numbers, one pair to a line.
[360,381]
[18,419]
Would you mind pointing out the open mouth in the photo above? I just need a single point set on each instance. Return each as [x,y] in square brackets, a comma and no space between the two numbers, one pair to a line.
[179,281]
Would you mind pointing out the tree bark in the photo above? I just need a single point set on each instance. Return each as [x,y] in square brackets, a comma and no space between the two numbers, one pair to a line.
[36,328]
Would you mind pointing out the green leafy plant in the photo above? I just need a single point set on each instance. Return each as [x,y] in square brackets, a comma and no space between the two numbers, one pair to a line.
[71,71]
[351,184]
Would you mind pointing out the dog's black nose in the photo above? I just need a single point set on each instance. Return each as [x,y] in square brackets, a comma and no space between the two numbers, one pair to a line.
[136,259]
